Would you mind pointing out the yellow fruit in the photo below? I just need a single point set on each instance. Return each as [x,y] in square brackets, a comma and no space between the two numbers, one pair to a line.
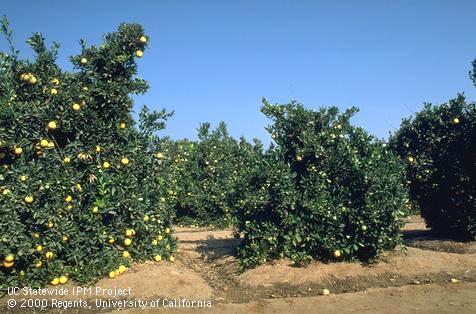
[139,54]
[76,107]
[39,248]
[111,241]
[122,125]
[143,39]
[36,235]
[325,292]
[160,238]
[68,199]
[84,60]
[49,255]
[18,151]
[157,258]
[50,224]
[54,91]
[364,228]
[9,258]
[127,242]
[51,145]
[95,210]
[32,80]
[63,280]
[85,88]
[67,160]
[155,242]
[69,206]
[28,199]
[55,81]
[98,149]
[6,192]
[124,161]
[167,230]
[298,158]
[129,232]
[337,253]
[52,125]
[126,254]
[146,218]
[172,259]
[112,274]
[8,264]
[122,269]
[23,178]
[106,165]
[38,264]
[160,155]
[65,238]
[55,281]
[44,143]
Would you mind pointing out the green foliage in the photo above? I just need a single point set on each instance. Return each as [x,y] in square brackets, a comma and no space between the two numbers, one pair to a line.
[209,172]
[472,74]
[327,190]
[77,178]
[439,147]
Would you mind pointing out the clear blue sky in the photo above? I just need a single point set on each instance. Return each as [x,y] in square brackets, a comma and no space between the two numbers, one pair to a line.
[215,60]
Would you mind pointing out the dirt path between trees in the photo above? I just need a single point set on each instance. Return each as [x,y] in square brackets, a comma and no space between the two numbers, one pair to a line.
[429,276]
[429,299]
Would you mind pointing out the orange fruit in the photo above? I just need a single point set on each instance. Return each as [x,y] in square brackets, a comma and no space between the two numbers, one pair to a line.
[28,199]
[76,107]
[52,125]
[63,280]
[9,258]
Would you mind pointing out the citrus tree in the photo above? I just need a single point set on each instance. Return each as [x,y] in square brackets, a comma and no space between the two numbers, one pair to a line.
[325,190]
[209,171]
[438,146]
[78,199]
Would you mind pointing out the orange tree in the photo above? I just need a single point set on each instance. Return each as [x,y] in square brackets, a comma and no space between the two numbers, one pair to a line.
[209,172]
[326,190]
[77,196]
[438,146]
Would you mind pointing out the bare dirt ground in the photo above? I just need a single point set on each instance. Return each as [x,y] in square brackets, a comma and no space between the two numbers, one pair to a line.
[430,275]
